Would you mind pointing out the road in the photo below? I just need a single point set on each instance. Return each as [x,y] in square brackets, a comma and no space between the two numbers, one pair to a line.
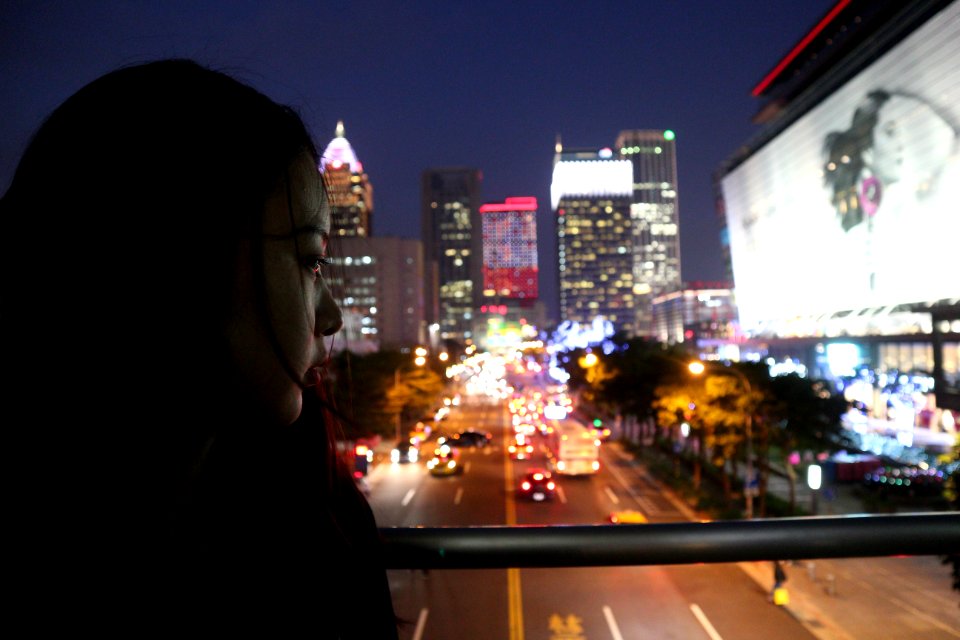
[713,602]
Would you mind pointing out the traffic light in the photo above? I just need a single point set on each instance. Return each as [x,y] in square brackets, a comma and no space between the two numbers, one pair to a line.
[597,422]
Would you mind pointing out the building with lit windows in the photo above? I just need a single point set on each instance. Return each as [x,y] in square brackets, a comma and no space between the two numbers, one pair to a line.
[509,231]
[379,283]
[452,245]
[700,314]
[349,189]
[841,210]
[509,311]
[654,215]
[617,232]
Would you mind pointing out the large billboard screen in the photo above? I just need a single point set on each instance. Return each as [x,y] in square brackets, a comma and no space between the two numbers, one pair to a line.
[856,205]
[510,248]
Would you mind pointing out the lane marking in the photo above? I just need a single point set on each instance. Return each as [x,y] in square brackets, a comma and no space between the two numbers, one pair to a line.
[610,494]
[514,595]
[612,623]
[562,494]
[515,615]
[702,619]
[459,494]
[407,498]
[421,624]
[649,506]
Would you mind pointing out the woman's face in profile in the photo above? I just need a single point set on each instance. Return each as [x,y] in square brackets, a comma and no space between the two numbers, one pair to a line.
[911,141]
[299,303]
[887,153]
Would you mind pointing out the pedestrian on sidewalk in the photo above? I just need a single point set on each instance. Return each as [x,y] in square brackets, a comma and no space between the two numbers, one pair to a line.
[779,577]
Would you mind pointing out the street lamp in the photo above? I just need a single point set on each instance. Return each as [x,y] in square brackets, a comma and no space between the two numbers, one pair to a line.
[696,368]
[814,477]
[419,360]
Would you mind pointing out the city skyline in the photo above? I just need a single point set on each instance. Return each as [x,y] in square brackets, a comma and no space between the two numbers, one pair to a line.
[420,87]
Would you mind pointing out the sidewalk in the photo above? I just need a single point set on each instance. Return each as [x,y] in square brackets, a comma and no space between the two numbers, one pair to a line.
[832,598]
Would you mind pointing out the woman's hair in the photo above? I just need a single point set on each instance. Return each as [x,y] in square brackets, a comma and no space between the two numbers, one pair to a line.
[843,158]
[134,195]
[120,236]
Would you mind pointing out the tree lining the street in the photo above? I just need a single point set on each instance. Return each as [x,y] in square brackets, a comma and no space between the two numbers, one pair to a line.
[649,381]
[371,390]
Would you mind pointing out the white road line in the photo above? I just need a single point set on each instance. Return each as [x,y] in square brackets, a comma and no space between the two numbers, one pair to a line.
[466,467]
[563,496]
[421,623]
[407,498]
[702,619]
[610,494]
[456,498]
[612,623]
[649,506]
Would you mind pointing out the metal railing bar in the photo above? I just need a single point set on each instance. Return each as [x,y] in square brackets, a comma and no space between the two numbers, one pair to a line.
[536,546]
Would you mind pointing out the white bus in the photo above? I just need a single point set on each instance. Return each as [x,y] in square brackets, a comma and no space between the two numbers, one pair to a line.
[572,449]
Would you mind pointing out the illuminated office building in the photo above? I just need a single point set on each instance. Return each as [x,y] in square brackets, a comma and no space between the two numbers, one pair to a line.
[509,311]
[379,285]
[701,315]
[349,189]
[452,246]
[509,250]
[617,233]
[654,218]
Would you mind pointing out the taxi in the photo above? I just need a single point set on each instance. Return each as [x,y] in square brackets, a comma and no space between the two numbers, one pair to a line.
[445,461]
[627,516]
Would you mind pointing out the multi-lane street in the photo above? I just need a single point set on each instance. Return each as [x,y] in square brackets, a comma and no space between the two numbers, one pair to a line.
[702,601]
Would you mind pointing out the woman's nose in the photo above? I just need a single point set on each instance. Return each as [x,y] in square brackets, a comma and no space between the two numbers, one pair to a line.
[329,316]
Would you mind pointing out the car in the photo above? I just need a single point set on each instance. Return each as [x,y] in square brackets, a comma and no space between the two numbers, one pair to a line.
[537,485]
[404,452]
[471,438]
[445,461]
[521,448]
[627,516]
[601,433]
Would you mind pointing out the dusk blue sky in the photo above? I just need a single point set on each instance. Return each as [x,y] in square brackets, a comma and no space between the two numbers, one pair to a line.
[430,84]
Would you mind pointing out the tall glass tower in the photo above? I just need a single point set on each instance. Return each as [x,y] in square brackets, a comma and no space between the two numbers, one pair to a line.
[654,216]
[452,248]
[617,229]
[350,191]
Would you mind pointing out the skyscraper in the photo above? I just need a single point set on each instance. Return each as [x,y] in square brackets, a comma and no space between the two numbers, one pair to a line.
[450,218]
[509,311]
[379,284]
[349,189]
[654,214]
[617,228]
[591,196]
[510,250]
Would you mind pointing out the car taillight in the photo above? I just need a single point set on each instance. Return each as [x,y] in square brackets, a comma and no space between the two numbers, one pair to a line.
[525,486]
[551,486]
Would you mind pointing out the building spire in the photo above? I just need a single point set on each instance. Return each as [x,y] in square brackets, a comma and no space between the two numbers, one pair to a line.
[339,132]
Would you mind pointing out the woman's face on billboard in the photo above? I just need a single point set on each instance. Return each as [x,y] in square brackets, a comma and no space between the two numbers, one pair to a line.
[910,140]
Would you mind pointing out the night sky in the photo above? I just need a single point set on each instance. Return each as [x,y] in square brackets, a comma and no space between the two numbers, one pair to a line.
[426,84]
